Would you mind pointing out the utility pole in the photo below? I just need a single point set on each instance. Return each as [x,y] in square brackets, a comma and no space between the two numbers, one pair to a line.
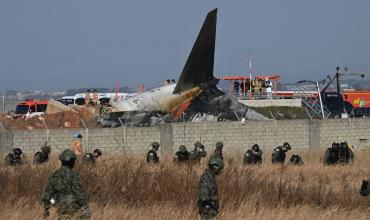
[338,85]
[250,72]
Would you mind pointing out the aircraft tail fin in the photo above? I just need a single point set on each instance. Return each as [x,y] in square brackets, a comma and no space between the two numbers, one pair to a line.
[199,66]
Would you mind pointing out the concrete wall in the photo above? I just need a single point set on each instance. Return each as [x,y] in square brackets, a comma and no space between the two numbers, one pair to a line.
[354,131]
[130,140]
[236,137]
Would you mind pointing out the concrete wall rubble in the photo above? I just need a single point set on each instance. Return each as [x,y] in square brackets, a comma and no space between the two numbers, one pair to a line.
[235,136]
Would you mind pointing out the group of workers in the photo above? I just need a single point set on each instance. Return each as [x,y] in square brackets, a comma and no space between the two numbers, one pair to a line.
[256,86]
[339,153]
[92,98]
[168,82]
[64,190]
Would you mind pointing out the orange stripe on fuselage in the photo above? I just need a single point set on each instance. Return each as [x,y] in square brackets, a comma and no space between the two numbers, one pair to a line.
[180,102]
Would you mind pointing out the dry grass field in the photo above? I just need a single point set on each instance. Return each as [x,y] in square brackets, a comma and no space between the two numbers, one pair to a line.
[125,187]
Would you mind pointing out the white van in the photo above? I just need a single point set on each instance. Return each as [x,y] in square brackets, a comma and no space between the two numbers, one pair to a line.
[79,99]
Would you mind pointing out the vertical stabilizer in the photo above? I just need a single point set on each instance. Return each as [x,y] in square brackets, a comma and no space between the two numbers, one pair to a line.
[199,66]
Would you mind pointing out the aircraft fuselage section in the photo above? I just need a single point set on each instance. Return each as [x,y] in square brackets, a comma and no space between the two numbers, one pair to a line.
[159,99]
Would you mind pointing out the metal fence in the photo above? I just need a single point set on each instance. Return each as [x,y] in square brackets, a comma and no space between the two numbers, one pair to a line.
[8,104]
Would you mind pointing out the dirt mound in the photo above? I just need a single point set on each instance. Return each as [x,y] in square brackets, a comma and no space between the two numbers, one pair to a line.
[77,117]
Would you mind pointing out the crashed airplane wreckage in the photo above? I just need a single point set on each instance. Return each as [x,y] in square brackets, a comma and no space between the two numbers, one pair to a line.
[194,97]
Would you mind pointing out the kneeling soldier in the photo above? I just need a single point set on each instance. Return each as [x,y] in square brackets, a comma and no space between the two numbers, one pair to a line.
[296,160]
[182,155]
[152,156]
[91,157]
[43,155]
[253,156]
[279,153]
[198,152]
[14,158]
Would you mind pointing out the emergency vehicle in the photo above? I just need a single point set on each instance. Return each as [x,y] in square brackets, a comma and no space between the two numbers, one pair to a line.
[357,102]
[30,108]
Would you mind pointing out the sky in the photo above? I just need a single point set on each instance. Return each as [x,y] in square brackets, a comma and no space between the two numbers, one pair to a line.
[56,45]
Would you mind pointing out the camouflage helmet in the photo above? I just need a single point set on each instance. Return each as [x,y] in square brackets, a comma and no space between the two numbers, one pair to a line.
[216,161]
[46,149]
[17,151]
[344,144]
[182,148]
[255,147]
[97,151]
[219,145]
[335,146]
[155,145]
[287,146]
[67,155]
[198,144]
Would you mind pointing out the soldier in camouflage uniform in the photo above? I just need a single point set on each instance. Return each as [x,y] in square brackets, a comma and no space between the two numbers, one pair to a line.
[43,155]
[65,192]
[296,160]
[208,201]
[365,188]
[218,150]
[331,154]
[90,158]
[14,158]
[345,154]
[152,156]
[339,153]
[279,153]
[182,155]
[198,152]
[253,155]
